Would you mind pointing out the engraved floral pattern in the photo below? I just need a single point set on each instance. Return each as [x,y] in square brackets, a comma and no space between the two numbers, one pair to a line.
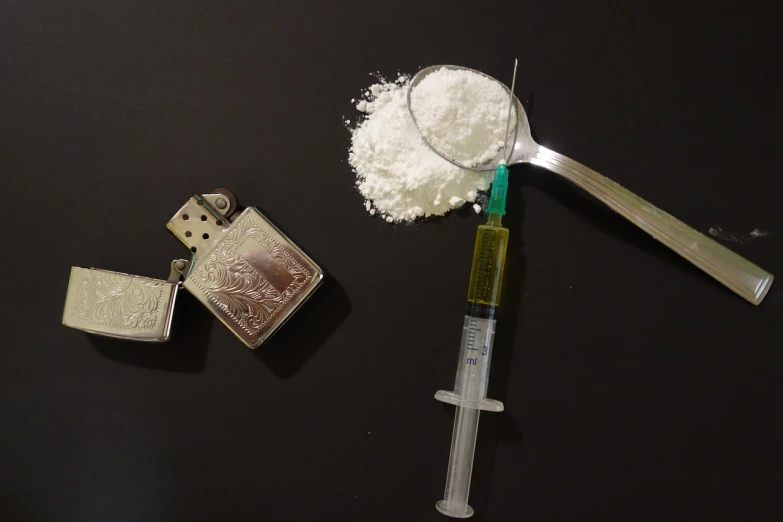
[113,300]
[237,288]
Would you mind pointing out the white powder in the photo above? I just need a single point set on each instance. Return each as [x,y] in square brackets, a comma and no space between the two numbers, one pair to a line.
[397,173]
[477,208]
[456,201]
[737,238]
[462,114]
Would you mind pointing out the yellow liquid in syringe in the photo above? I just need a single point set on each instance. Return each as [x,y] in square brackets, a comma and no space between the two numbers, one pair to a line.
[489,261]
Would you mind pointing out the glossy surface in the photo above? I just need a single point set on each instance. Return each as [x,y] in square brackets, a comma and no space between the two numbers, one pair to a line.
[735,272]
[246,272]
[119,305]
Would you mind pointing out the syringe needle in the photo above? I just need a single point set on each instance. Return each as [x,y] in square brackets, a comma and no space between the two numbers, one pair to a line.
[510,104]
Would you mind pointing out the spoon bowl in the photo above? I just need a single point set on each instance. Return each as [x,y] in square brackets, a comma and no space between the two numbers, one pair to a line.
[519,137]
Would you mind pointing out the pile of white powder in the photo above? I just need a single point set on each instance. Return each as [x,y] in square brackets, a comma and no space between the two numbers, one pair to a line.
[400,177]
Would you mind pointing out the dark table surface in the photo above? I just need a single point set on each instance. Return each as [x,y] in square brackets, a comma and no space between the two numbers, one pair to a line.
[636,388]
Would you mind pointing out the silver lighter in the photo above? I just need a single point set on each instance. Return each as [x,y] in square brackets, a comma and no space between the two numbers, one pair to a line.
[242,268]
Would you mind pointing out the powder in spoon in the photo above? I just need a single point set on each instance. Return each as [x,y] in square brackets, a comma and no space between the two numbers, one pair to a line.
[463,114]
[398,174]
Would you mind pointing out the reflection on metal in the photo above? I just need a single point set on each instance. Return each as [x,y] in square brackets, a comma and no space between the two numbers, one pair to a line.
[243,269]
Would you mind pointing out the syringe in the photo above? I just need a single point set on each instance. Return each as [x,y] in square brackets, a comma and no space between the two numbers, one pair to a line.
[478,331]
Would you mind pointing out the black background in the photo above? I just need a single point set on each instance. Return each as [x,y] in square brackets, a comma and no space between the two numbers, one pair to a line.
[636,388]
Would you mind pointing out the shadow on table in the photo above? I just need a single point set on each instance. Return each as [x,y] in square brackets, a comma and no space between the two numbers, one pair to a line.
[185,351]
[590,209]
[307,330]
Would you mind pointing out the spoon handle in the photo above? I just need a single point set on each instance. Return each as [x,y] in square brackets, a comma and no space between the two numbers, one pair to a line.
[737,273]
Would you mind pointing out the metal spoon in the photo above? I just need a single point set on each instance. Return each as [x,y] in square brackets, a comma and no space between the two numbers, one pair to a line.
[737,273]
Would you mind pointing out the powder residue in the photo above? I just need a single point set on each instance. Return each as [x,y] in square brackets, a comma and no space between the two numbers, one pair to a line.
[737,238]
[396,171]
[456,201]
[463,114]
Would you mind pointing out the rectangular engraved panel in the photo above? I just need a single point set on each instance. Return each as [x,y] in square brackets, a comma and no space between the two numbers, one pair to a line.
[119,305]
[253,278]
[275,272]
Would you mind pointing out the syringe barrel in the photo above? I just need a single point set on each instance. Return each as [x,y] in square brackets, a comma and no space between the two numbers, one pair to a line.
[475,356]
[472,375]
